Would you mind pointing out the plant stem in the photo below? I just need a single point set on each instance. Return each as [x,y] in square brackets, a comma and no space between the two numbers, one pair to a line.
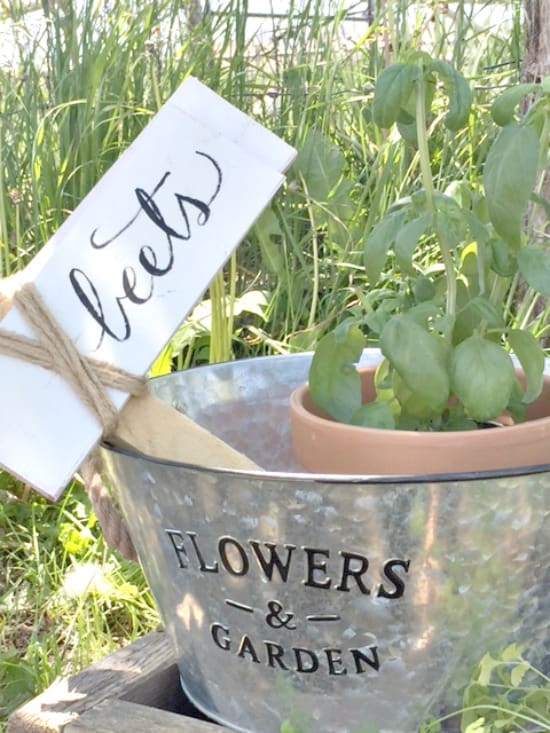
[427,180]
[423,149]
[315,254]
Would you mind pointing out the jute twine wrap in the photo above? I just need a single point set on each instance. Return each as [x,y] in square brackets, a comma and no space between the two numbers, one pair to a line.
[90,378]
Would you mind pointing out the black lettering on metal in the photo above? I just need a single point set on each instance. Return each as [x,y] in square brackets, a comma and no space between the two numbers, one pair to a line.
[314,565]
[391,575]
[353,572]
[244,566]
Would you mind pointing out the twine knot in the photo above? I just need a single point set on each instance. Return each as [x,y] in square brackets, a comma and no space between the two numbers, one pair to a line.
[52,349]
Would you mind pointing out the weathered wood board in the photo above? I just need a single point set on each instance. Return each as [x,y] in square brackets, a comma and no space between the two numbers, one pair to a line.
[133,690]
[128,717]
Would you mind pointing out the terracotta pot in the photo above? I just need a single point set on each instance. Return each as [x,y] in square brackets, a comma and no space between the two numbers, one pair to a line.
[323,445]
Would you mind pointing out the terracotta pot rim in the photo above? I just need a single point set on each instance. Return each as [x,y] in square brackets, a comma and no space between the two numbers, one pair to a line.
[298,396]
[323,445]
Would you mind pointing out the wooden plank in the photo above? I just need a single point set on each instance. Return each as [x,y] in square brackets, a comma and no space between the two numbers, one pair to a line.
[145,670]
[133,690]
[127,717]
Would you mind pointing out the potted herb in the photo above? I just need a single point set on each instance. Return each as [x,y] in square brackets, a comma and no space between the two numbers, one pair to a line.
[444,334]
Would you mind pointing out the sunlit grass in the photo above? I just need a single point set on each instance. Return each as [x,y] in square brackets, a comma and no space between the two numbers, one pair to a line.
[65,599]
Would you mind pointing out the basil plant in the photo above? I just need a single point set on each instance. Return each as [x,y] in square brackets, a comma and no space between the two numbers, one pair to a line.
[445,336]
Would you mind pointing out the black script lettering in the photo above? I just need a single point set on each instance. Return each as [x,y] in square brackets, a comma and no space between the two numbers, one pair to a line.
[334,657]
[87,293]
[274,654]
[219,176]
[149,261]
[129,285]
[359,657]
[355,573]
[246,647]
[152,211]
[310,657]
[147,255]
[204,211]
[222,549]
[224,642]
[101,245]
[313,565]
[392,576]
[273,560]
[176,538]
[202,564]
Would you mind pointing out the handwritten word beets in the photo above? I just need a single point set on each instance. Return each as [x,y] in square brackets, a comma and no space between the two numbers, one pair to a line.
[272,561]
[155,261]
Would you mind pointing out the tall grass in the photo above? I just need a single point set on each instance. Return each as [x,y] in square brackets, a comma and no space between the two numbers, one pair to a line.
[83,81]
[82,88]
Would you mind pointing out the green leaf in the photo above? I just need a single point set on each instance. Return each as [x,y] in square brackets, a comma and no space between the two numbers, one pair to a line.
[518,673]
[407,239]
[459,93]
[408,133]
[321,163]
[451,222]
[512,653]
[477,228]
[378,243]
[423,289]
[18,680]
[393,87]
[254,302]
[458,422]
[509,177]
[334,382]
[374,415]
[505,104]
[424,313]
[516,406]
[481,309]
[531,357]
[420,359]
[482,377]
[478,726]
[416,410]
[504,693]
[534,265]
[268,230]
[486,667]
[503,260]
[461,192]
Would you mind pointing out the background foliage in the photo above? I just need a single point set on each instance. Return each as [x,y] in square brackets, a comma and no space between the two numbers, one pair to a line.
[78,81]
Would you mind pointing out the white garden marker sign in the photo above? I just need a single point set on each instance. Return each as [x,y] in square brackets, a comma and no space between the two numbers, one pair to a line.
[129,264]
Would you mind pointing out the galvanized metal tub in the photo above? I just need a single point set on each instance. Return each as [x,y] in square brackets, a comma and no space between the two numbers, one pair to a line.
[349,603]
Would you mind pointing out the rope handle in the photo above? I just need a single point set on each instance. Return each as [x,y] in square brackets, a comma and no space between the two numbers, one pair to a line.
[112,523]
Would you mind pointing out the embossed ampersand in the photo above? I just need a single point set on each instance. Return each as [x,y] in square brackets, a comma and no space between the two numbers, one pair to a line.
[277,618]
